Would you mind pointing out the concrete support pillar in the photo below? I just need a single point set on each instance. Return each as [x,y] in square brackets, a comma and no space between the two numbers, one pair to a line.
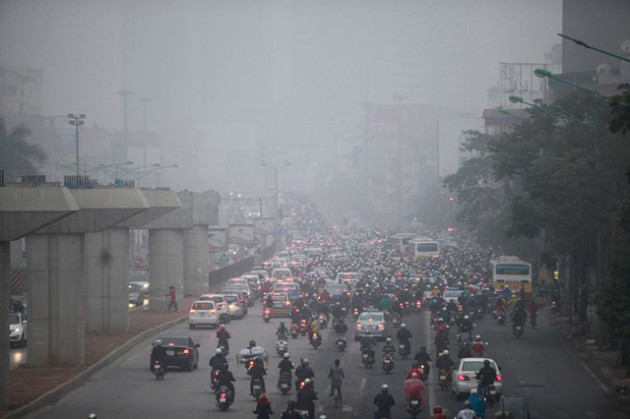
[196,260]
[107,277]
[5,295]
[56,298]
[166,267]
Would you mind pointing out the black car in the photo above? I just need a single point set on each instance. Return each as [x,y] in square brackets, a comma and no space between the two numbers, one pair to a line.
[181,351]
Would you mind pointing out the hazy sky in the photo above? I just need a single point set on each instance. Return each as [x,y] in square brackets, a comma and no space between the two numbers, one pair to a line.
[249,62]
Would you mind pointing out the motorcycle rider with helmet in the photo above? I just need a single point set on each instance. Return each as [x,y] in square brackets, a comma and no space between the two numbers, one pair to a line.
[404,336]
[302,372]
[414,386]
[218,361]
[222,336]
[423,358]
[257,371]
[306,398]
[487,375]
[384,402]
[282,332]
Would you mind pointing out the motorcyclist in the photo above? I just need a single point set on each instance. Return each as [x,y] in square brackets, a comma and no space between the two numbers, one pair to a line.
[423,358]
[314,325]
[389,348]
[440,326]
[286,366]
[291,413]
[486,375]
[444,362]
[282,332]
[446,315]
[441,342]
[477,404]
[464,351]
[218,361]
[518,319]
[222,336]
[263,408]
[257,371]
[158,354]
[367,344]
[302,372]
[341,327]
[384,402]
[478,347]
[465,325]
[414,386]
[306,398]
[226,378]
[269,301]
[336,377]
[466,412]
[415,369]
[404,336]
[337,312]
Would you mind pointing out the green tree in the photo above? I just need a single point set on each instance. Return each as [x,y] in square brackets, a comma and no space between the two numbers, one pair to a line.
[16,153]
[620,110]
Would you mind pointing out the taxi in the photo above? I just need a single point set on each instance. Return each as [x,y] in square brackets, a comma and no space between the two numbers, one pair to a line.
[281,304]
[371,322]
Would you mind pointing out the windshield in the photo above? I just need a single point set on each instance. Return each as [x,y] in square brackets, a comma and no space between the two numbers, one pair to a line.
[231,299]
[14,318]
[175,341]
[335,289]
[474,366]
[371,317]
[281,297]
[203,306]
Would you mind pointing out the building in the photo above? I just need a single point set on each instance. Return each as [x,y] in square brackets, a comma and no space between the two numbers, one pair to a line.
[20,94]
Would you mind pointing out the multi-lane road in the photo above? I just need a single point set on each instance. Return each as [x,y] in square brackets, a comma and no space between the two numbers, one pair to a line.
[541,366]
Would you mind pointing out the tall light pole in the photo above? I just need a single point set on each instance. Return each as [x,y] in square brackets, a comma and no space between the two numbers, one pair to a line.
[399,98]
[144,101]
[77,120]
[125,94]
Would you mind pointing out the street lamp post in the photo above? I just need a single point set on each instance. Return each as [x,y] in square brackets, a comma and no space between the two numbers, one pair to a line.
[400,98]
[542,73]
[144,101]
[601,51]
[125,94]
[77,120]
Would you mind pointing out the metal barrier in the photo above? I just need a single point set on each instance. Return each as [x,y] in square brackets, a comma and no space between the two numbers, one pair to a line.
[78,182]
[1,177]
[239,268]
[33,179]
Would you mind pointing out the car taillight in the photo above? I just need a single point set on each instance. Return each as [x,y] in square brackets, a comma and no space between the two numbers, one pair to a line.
[358,325]
[287,303]
[185,351]
[463,377]
[499,378]
[213,311]
[192,311]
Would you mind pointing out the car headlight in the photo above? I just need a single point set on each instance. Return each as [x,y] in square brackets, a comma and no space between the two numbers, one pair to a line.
[17,329]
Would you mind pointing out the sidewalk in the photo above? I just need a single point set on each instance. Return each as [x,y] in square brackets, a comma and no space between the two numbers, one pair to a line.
[601,365]
[50,383]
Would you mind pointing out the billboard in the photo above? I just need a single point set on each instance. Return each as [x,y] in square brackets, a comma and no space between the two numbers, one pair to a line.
[217,239]
[264,226]
[241,234]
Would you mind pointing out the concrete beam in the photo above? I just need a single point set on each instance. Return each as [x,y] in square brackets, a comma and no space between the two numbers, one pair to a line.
[160,201]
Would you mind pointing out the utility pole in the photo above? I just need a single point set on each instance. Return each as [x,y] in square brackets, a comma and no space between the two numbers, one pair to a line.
[400,98]
[125,94]
[77,120]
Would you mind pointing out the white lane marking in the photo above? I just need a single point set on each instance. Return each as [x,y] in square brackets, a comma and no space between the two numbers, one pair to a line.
[363,384]
[597,380]
[347,408]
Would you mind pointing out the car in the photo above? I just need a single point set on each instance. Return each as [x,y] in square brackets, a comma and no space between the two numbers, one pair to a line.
[281,273]
[203,313]
[237,305]
[292,289]
[339,293]
[221,305]
[464,376]
[181,351]
[451,295]
[17,329]
[350,278]
[371,323]
[281,304]
[137,294]
[242,289]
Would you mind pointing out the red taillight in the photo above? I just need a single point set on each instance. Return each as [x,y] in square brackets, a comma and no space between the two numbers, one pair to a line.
[216,373]
[499,378]
[463,377]
[157,362]
[192,311]
[223,395]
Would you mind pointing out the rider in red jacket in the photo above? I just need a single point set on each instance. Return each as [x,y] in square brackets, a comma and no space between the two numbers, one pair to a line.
[414,387]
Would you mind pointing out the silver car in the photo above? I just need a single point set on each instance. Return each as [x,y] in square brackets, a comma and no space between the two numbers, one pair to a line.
[17,329]
[371,323]
[464,376]
[236,304]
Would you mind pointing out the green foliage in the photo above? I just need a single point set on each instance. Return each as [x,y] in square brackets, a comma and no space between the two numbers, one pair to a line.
[16,154]
[620,110]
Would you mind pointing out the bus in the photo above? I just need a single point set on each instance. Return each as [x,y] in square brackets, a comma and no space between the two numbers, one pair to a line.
[512,272]
[399,241]
[423,247]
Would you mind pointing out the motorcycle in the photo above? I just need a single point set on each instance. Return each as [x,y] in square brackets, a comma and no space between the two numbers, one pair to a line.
[303,327]
[403,351]
[444,379]
[500,318]
[267,313]
[424,375]
[316,340]
[256,388]
[322,321]
[341,343]
[555,306]
[418,306]
[295,330]
[158,370]
[388,363]
[414,408]
[355,312]
[518,331]
[489,394]
[224,398]
[214,379]
[282,346]
[284,382]
[366,358]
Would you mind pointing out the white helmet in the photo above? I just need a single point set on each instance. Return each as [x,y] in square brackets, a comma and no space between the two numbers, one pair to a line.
[445,352]
[384,388]
[473,391]
[286,355]
[218,351]
[403,325]
[388,340]
[477,337]
[466,317]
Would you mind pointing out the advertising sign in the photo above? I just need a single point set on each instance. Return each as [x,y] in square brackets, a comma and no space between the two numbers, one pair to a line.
[217,239]
[241,234]
[264,226]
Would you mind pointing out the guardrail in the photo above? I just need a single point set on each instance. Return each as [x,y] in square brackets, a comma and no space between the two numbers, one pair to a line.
[1,177]
[239,268]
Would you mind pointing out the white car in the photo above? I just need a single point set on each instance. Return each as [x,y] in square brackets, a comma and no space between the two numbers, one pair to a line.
[203,313]
[464,376]
[452,295]
[17,329]
[221,305]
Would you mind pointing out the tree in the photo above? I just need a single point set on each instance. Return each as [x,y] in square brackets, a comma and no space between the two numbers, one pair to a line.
[16,154]
[620,110]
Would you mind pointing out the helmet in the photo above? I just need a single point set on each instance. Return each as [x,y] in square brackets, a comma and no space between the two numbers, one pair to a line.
[221,326]
[414,375]
[423,348]
[486,362]
[403,325]
[308,381]
[388,340]
[281,322]
[263,395]
[466,317]
[384,388]
[477,337]
[467,403]
[305,361]
[445,352]
[92,416]
[473,391]
[441,319]
[218,351]
[158,342]
[286,355]
[252,343]
[291,404]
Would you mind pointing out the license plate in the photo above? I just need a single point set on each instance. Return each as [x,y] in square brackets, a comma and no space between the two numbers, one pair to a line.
[284,385]
[222,400]
[170,352]
[365,356]
[442,378]
[414,402]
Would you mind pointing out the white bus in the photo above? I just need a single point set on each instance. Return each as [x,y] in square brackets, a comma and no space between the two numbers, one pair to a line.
[400,241]
[423,247]
[512,272]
